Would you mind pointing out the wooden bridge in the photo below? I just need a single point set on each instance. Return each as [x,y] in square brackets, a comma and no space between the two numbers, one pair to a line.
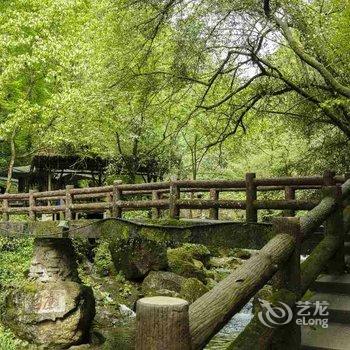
[170,323]
[171,196]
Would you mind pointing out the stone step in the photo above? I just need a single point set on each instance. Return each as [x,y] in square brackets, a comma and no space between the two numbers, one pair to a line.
[339,306]
[332,284]
[335,337]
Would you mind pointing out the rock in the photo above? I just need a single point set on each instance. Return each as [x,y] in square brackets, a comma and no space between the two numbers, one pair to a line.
[125,311]
[227,262]
[135,255]
[54,260]
[198,264]
[162,283]
[120,338]
[52,315]
[244,254]
[198,252]
[192,289]
[211,283]
[181,262]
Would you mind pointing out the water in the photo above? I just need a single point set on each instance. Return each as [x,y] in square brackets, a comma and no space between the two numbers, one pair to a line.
[237,323]
[228,333]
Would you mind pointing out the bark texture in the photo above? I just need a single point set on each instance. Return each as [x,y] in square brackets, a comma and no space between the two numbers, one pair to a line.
[162,323]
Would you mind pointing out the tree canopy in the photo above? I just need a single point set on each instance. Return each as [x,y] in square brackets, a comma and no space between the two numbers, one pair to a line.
[193,88]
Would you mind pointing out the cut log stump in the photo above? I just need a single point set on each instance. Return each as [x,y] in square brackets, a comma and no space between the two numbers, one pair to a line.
[162,323]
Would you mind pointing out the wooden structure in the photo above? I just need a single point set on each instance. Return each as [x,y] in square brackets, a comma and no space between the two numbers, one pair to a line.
[279,258]
[49,171]
[171,196]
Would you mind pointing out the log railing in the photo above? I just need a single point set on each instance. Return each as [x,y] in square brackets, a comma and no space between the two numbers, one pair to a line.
[280,259]
[172,196]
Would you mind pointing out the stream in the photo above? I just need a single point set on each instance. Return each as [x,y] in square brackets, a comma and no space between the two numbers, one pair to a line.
[229,332]
[236,325]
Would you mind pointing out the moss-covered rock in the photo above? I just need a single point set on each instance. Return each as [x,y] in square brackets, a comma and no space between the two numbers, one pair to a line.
[198,252]
[135,255]
[192,289]
[181,263]
[162,283]
[52,315]
[244,254]
[189,260]
[227,262]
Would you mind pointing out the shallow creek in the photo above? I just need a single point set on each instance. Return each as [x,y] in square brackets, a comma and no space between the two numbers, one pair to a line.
[228,333]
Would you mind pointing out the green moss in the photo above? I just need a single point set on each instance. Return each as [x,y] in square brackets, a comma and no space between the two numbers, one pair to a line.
[181,262]
[103,259]
[197,251]
[240,253]
[136,255]
[155,234]
[8,341]
[192,289]
[308,295]
[169,222]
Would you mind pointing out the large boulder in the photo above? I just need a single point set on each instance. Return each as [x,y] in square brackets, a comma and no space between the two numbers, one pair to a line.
[198,252]
[52,315]
[192,289]
[170,284]
[162,283]
[227,262]
[135,255]
[54,259]
[189,260]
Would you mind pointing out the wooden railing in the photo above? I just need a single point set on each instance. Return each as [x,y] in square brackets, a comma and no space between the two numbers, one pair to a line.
[172,196]
[280,259]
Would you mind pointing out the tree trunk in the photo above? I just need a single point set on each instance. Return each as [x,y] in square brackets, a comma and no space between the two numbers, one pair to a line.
[12,161]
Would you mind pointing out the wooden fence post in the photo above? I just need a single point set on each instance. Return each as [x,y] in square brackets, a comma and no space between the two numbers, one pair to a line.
[32,215]
[289,278]
[162,323]
[156,213]
[214,212]
[251,196]
[5,208]
[289,194]
[334,225]
[117,197]
[174,195]
[109,200]
[69,201]
[328,178]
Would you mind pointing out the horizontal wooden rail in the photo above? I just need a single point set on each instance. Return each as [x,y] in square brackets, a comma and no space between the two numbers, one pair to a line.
[167,195]
[208,203]
[285,204]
